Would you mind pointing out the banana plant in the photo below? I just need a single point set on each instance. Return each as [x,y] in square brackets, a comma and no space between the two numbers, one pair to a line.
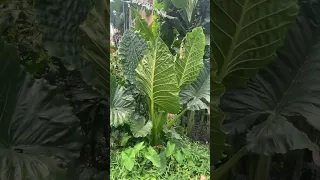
[245,37]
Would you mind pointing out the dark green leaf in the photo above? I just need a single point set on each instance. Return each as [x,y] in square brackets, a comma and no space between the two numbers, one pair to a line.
[245,37]
[139,127]
[38,132]
[131,51]
[60,21]
[247,34]
[288,87]
[96,46]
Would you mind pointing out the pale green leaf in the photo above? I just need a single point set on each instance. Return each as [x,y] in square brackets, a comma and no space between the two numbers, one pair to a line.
[127,158]
[179,157]
[170,149]
[138,147]
[153,156]
[188,8]
[156,77]
[189,67]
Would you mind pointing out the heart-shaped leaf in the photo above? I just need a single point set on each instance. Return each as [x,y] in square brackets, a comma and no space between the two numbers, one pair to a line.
[153,156]
[139,127]
[38,132]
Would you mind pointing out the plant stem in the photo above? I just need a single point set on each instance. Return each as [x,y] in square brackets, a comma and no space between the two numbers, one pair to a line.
[229,164]
[175,119]
[263,169]
[298,166]
[153,120]
[190,124]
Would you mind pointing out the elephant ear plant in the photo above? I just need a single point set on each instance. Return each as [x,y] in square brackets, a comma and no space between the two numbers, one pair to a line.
[265,112]
[245,37]
[279,109]
[161,76]
[39,134]
[162,79]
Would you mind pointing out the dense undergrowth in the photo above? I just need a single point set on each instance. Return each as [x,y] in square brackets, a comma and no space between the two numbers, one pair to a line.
[195,165]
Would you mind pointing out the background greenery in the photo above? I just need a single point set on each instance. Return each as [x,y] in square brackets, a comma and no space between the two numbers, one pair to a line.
[58,129]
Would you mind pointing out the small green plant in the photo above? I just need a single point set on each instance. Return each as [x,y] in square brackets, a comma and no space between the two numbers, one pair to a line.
[175,160]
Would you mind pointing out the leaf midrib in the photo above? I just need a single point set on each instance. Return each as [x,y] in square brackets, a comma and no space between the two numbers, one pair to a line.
[286,93]
[223,72]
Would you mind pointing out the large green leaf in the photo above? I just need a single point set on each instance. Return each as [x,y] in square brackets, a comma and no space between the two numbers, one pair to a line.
[153,156]
[139,127]
[156,77]
[142,26]
[59,20]
[86,49]
[197,95]
[128,156]
[170,149]
[217,136]
[122,105]
[189,67]
[96,45]
[247,34]
[38,132]
[287,88]
[188,8]
[131,51]
[245,37]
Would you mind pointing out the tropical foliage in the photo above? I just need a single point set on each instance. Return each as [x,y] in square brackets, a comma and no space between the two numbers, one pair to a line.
[151,107]
[53,89]
[265,88]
